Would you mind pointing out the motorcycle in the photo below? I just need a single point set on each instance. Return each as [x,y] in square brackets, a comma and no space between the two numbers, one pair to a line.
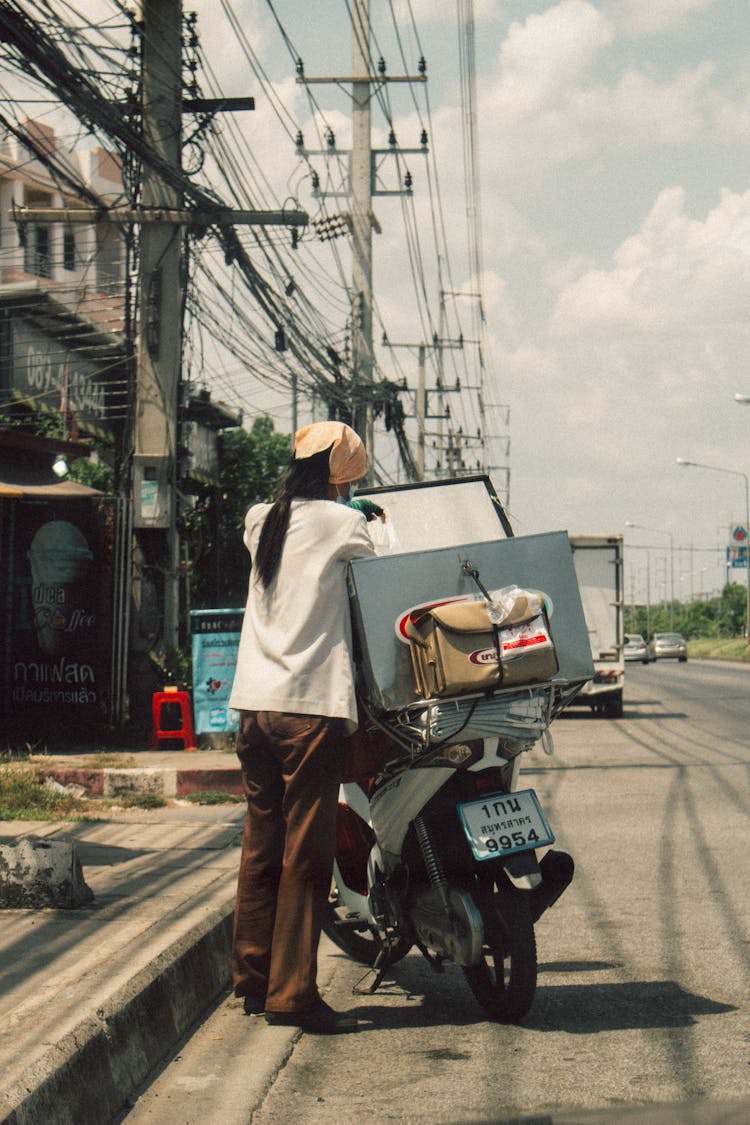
[438,849]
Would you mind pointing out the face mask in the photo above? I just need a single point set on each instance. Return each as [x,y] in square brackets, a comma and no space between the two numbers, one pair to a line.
[349,497]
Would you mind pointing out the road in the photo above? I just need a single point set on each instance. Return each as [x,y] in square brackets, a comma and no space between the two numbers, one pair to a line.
[644,974]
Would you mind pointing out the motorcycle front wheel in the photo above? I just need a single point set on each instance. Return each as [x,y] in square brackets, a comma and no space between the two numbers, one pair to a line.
[504,982]
[362,945]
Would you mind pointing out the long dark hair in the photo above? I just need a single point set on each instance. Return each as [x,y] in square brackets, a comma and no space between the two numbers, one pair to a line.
[306,479]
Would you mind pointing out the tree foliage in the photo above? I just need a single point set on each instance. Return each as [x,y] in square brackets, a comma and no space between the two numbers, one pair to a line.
[252,463]
[722,616]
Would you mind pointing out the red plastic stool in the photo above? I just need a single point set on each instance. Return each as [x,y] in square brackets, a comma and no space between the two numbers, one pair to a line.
[172,698]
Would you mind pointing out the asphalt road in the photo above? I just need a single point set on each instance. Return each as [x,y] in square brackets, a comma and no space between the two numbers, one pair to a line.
[644,973]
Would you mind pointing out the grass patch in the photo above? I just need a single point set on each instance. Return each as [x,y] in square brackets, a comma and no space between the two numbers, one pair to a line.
[104,761]
[719,648]
[213,797]
[23,796]
[139,801]
[21,752]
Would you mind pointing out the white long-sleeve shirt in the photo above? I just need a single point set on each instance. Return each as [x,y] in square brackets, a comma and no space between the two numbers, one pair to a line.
[295,646]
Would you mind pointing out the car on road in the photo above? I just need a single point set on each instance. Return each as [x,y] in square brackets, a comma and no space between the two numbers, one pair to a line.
[635,648]
[668,646]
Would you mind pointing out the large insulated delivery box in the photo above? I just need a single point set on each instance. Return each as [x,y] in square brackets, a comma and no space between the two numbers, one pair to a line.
[433,530]
[384,588]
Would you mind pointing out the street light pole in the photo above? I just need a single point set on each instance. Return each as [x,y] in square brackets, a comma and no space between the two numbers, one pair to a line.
[661,531]
[734,473]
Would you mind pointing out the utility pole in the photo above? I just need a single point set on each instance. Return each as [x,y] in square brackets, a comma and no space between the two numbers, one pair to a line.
[421,409]
[361,203]
[159,344]
[362,188]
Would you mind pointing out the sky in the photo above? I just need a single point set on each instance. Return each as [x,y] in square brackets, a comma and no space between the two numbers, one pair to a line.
[614,159]
[615,182]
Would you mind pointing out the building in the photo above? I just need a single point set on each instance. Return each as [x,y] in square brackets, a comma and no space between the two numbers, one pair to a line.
[67,384]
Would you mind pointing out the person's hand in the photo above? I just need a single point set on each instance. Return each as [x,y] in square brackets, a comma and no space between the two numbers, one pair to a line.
[368,508]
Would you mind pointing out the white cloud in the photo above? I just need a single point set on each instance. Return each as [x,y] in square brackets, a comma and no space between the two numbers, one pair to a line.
[550,103]
[676,275]
[547,53]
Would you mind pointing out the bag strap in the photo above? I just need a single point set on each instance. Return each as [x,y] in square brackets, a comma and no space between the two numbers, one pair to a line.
[472,572]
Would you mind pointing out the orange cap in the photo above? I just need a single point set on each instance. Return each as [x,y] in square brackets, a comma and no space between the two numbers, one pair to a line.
[347,460]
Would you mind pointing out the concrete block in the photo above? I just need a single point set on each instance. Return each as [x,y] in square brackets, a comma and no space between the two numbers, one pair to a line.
[137,782]
[37,872]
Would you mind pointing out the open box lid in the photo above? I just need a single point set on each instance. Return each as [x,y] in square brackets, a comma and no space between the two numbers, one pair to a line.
[441,513]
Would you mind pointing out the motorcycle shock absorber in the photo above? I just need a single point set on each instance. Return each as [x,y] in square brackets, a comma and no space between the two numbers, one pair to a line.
[434,870]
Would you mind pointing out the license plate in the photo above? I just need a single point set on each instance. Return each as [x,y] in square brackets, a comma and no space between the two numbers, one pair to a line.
[502,823]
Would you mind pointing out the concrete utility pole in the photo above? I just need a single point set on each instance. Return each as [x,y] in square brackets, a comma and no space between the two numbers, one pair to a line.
[362,188]
[421,410]
[159,345]
[361,202]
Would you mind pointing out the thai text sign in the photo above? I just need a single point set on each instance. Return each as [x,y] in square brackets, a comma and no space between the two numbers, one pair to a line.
[215,641]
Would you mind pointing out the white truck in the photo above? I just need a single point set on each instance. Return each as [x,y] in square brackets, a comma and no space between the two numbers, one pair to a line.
[598,561]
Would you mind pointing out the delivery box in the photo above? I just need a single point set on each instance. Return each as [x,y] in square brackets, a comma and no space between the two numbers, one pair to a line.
[427,597]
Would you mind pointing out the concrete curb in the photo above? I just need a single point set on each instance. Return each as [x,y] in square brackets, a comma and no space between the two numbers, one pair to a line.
[167,781]
[90,1074]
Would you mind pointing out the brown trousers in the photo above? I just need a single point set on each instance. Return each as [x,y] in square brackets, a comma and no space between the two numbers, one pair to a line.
[291,766]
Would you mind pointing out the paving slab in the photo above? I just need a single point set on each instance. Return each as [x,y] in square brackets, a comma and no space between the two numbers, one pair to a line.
[91,999]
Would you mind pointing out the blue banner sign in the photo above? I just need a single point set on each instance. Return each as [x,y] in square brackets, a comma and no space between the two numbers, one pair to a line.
[737,557]
[215,640]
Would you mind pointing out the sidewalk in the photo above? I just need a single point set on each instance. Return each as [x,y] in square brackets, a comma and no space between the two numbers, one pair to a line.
[91,999]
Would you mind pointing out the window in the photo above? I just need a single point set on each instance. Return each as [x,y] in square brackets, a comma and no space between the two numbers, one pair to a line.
[69,249]
[37,257]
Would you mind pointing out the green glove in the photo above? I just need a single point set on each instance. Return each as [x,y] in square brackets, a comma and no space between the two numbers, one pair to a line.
[368,509]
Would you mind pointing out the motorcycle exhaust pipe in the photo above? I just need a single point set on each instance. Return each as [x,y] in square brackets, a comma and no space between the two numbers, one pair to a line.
[557,873]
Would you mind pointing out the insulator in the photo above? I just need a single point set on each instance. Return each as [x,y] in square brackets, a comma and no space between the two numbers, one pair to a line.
[300,68]
[299,140]
[458,384]
[423,138]
[422,67]
[408,181]
[392,139]
[330,138]
[381,65]
[315,178]
[384,341]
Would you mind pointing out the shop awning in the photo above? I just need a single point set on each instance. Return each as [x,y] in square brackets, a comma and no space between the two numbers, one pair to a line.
[60,490]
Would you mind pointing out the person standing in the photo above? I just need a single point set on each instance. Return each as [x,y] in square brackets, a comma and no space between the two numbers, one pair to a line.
[294,689]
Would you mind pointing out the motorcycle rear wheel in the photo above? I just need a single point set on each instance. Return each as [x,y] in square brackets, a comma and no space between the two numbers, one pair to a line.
[362,946]
[504,982]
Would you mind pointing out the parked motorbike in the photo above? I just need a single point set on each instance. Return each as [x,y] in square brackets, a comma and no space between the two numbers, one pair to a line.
[438,851]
